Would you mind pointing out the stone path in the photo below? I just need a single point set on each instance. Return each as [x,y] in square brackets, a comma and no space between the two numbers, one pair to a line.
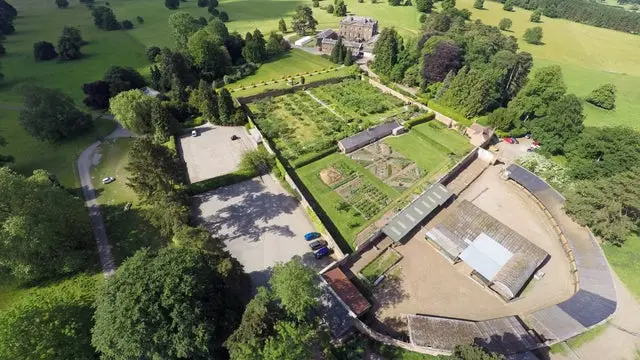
[323,104]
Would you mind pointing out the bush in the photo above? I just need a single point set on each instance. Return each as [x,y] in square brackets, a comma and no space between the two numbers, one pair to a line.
[140,20]
[423,18]
[223,16]
[554,174]
[203,3]
[152,53]
[533,35]
[257,161]
[505,24]
[330,9]
[43,51]
[127,25]
[419,120]
[604,97]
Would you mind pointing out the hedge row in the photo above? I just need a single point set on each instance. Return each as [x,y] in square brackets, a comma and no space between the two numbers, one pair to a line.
[311,157]
[446,111]
[220,181]
[419,120]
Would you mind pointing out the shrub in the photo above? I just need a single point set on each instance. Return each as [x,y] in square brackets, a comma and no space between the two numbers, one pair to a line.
[505,24]
[604,97]
[419,120]
[43,51]
[152,53]
[127,25]
[553,173]
[533,35]
[203,3]
[330,9]
[140,20]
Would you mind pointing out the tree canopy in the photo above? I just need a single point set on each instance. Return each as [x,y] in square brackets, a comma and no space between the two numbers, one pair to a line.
[104,18]
[44,230]
[505,24]
[132,109]
[50,115]
[294,284]
[562,122]
[122,79]
[603,96]
[303,20]
[43,51]
[386,50]
[533,35]
[183,25]
[177,303]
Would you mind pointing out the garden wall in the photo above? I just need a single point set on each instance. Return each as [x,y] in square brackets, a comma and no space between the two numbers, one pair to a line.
[279,92]
[459,167]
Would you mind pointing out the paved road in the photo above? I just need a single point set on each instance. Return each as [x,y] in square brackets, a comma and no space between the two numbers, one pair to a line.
[84,167]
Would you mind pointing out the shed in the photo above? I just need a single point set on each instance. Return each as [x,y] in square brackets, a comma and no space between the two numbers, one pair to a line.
[366,137]
[302,40]
[486,256]
[348,294]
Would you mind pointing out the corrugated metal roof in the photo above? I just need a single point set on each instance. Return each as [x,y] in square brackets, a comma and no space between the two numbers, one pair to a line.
[407,219]
[486,256]
[368,136]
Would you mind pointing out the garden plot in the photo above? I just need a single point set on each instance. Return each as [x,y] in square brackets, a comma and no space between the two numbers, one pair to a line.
[356,99]
[363,196]
[439,135]
[379,266]
[388,165]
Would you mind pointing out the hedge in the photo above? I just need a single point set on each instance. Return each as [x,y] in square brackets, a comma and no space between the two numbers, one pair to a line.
[220,181]
[311,157]
[446,111]
[419,120]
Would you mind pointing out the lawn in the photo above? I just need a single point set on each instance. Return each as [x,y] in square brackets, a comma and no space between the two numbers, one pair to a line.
[428,157]
[373,270]
[448,138]
[624,261]
[129,230]
[589,57]
[31,154]
[348,221]
[40,20]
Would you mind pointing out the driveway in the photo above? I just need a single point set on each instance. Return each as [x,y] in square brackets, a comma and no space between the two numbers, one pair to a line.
[259,223]
[212,153]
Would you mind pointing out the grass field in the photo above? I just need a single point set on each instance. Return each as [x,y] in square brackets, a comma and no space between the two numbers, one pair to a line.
[427,157]
[624,261]
[450,139]
[31,154]
[589,57]
[348,222]
[379,265]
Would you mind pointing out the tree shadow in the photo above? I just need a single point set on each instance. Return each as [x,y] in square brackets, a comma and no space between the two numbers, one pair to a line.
[509,343]
[390,292]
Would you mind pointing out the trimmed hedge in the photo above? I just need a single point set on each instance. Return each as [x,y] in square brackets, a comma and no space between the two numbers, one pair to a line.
[220,181]
[309,158]
[446,111]
[419,120]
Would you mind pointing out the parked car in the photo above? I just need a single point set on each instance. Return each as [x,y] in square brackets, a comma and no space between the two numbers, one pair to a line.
[509,140]
[317,244]
[535,145]
[311,236]
[515,141]
[234,137]
[322,252]
[194,133]
[108,180]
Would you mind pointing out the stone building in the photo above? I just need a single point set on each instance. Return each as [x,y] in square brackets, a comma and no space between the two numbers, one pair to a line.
[358,34]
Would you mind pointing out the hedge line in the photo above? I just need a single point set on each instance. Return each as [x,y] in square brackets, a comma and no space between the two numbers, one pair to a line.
[309,158]
[419,120]
[446,111]
[220,181]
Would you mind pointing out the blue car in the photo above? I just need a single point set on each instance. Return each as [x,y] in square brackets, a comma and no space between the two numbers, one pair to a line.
[311,236]
[322,252]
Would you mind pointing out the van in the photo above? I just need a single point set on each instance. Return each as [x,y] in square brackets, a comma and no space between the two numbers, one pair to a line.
[194,133]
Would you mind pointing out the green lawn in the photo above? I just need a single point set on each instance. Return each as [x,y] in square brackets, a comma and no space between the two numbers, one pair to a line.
[31,154]
[379,265]
[40,20]
[624,261]
[128,231]
[348,223]
[589,57]
[427,157]
[438,132]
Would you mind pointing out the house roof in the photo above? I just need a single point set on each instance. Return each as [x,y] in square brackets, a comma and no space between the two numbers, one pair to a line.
[346,291]
[360,20]
[325,33]
[368,136]
[407,219]
[486,256]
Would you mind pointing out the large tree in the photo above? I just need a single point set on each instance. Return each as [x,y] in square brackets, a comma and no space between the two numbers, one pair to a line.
[545,87]
[69,43]
[43,51]
[132,109]
[604,96]
[209,54]
[205,100]
[122,79]
[180,303]
[303,20]
[226,108]
[562,122]
[445,57]
[294,284]
[97,94]
[44,230]
[50,115]
[154,169]
[104,18]
[182,25]
[386,50]
[533,35]
[52,322]
[424,6]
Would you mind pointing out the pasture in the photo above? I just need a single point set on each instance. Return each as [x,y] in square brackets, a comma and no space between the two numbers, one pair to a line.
[589,57]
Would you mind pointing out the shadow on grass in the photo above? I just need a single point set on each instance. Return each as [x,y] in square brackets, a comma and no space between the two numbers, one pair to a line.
[130,231]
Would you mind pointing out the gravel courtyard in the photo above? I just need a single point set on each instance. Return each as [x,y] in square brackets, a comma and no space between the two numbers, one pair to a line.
[259,223]
[212,153]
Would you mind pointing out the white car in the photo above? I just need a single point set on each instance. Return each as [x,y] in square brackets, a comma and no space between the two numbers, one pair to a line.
[194,133]
[108,180]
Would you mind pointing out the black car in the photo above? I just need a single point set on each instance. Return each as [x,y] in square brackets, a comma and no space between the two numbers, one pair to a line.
[317,244]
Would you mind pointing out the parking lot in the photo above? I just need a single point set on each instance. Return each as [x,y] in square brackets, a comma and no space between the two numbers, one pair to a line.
[259,223]
[212,153]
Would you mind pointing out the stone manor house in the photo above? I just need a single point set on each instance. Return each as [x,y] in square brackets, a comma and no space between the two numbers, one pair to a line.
[358,33]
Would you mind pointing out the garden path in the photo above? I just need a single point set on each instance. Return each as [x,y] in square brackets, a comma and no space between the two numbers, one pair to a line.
[323,104]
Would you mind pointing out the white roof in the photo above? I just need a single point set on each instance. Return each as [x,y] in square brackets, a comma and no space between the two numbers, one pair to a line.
[486,256]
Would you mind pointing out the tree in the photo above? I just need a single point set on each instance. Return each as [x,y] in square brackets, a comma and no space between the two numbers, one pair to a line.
[43,51]
[330,9]
[223,16]
[152,53]
[69,43]
[44,230]
[533,35]
[562,122]
[604,97]
[386,50]
[206,101]
[164,124]
[303,20]
[226,108]
[424,6]
[315,3]
[209,53]
[172,4]
[203,3]
[104,18]
[446,57]
[473,352]
[126,24]
[257,161]
[505,24]
[276,44]
[291,342]
[536,15]
[62,4]
[122,79]
[546,87]
[5,159]
[341,9]
[52,322]
[178,303]
[132,109]
[183,25]
[282,26]
[449,4]
[255,50]
[508,5]
[50,115]
[338,52]
[97,94]
[294,284]
[348,58]
[478,4]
